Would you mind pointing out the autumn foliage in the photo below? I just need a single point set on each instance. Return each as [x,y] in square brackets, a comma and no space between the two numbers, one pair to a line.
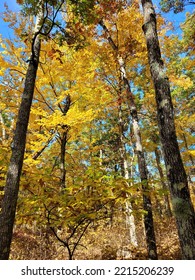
[73,197]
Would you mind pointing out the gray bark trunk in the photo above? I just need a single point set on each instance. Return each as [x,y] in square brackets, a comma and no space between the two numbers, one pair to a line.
[9,202]
[180,195]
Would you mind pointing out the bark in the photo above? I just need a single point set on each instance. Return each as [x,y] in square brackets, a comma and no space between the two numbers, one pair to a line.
[147,205]
[180,195]
[9,202]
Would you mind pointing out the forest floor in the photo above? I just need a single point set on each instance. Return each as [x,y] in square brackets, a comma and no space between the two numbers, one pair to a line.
[99,243]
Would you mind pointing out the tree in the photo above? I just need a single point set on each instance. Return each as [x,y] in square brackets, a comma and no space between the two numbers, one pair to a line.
[60,186]
[18,147]
[11,189]
[147,205]
[175,5]
[178,184]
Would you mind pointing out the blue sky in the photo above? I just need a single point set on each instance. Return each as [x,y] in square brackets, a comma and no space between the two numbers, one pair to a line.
[175,18]
[5,31]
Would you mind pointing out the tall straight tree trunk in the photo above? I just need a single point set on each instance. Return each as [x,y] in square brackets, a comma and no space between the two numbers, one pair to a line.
[180,195]
[147,205]
[9,203]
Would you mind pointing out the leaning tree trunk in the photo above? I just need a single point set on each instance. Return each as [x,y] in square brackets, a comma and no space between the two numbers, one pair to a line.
[180,195]
[147,205]
[9,203]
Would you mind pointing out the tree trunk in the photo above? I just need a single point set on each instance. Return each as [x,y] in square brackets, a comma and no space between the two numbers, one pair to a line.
[180,195]
[3,131]
[63,141]
[147,205]
[9,202]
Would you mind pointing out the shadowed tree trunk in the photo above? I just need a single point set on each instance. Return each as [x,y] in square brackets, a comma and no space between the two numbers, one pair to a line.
[9,202]
[180,195]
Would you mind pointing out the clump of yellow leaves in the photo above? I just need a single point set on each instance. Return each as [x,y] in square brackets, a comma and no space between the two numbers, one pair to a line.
[181,81]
